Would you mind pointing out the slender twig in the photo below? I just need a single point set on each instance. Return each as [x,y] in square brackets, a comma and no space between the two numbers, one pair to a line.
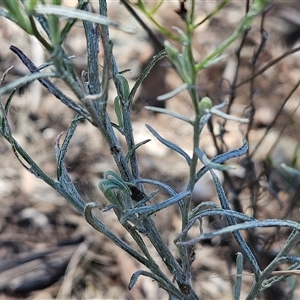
[49,85]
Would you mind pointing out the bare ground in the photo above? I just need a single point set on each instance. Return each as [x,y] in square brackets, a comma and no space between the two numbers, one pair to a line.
[47,249]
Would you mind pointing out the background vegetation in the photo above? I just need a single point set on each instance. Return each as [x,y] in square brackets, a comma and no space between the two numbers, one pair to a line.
[219,71]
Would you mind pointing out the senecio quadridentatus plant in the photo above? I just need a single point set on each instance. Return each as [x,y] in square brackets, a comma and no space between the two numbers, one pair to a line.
[125,191]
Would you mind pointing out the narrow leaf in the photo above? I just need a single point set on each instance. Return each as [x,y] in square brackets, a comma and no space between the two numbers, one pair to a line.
[60,155]
[239,272]
[170,113]
[173,93]
[79,14]
[133,150]
[144,74]
[138,273]
[118,112]
[290,170]
[169,144]
[149,210]
[211,165]
[24,80]
[245,226]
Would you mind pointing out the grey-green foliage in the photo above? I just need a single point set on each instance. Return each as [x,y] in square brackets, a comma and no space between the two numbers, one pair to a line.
[125,191]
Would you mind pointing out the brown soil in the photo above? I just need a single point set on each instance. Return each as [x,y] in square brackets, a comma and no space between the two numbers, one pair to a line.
[47,249]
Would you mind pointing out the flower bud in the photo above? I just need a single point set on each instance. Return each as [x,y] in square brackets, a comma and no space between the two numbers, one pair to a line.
[205,105]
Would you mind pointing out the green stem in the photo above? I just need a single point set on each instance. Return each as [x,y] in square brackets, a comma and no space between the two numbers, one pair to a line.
[37,34]
[256,8]
[290,244]
[186,263]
